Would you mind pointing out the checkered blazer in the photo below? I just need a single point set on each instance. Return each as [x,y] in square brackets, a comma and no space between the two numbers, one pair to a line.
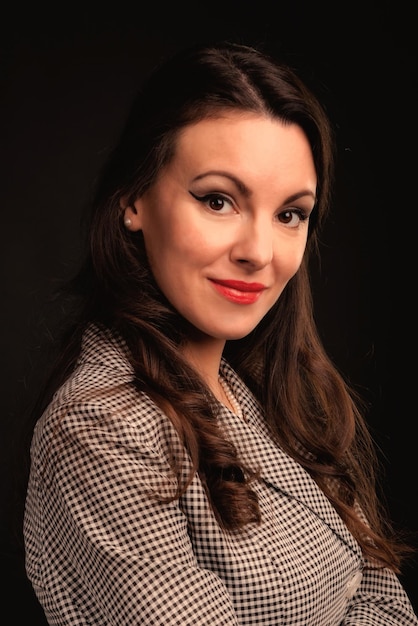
[101,550]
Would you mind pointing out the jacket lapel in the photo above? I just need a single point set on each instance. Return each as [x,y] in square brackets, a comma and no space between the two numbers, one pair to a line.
[278,469]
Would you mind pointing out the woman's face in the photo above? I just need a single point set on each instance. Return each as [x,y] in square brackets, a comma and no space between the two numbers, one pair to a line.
[225,225]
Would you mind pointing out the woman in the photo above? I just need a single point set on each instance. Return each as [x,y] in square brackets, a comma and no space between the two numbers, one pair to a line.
[199,460]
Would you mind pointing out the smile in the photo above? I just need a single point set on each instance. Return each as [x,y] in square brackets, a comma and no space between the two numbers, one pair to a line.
[238,291]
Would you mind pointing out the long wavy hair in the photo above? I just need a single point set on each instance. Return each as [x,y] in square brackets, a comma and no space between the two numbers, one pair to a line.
[310,410]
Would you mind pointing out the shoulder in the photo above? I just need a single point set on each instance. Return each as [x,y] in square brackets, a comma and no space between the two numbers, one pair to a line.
[100,400]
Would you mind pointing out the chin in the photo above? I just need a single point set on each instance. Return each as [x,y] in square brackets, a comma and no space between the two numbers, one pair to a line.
[236,334]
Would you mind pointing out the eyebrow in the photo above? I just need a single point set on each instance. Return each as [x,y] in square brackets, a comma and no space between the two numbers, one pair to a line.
[244,189]
[237,182]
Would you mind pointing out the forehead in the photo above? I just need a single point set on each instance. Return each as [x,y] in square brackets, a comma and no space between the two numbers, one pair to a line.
[247,143]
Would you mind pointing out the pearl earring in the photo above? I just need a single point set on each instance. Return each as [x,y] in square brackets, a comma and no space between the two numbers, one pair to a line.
[128,222]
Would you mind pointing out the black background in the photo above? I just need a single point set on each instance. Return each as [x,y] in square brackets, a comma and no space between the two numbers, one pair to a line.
[67,77]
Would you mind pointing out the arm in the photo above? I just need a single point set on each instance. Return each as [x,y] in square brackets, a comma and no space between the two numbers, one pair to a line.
[115,555]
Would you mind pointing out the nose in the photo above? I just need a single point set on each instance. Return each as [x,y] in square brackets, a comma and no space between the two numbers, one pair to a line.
[253,244]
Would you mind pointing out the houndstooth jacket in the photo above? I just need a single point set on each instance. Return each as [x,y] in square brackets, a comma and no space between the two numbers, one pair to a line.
[101,550]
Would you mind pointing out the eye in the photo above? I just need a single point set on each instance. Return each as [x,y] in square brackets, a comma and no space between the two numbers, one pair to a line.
[215,202]
[292,217]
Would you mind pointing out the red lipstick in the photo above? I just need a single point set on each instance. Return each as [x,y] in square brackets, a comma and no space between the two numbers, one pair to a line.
[239,291]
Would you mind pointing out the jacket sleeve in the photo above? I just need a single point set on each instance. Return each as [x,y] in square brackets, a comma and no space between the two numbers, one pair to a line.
[101,549]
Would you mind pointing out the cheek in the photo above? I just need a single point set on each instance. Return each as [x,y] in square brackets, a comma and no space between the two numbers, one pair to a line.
[192,243]
[288,258]
[173,249]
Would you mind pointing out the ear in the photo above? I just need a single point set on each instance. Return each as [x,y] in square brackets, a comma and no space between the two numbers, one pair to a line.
[132,215]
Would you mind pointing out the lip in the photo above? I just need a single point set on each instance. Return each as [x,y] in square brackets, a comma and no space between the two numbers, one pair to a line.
[238,291]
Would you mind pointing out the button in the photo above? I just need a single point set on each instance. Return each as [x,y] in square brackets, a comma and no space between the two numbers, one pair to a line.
[353,584]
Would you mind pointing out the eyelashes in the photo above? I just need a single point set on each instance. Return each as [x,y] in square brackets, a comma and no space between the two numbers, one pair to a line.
[214,201]
[219,203]
[288,214]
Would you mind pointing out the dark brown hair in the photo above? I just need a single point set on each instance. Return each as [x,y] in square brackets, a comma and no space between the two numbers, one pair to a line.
[309,408]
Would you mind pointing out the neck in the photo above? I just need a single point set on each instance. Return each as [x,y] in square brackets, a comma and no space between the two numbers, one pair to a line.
[205,357]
